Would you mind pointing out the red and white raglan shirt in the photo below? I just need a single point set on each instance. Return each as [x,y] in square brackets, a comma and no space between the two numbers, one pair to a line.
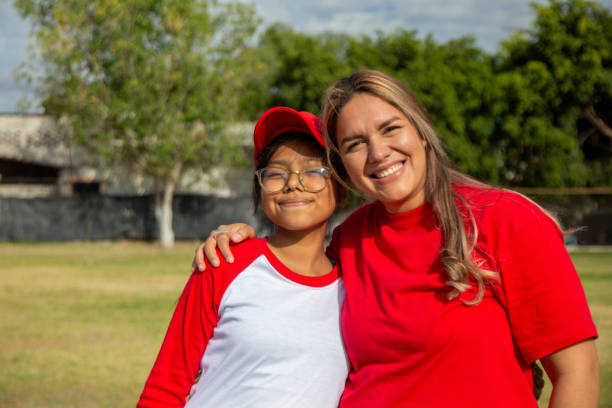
[260,334]
[409,346]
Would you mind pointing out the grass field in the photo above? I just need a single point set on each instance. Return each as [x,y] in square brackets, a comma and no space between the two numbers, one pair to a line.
[81,323]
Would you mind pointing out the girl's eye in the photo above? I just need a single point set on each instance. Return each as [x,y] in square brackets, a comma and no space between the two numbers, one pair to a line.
[275,174]
[316,171]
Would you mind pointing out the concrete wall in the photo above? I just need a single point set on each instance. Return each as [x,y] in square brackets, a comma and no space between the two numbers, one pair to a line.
[35,139]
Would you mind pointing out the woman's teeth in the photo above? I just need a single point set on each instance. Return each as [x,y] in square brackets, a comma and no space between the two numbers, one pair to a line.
[389,171]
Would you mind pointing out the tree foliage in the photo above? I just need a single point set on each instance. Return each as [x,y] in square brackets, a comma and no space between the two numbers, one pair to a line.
[536,114]
[565,60]
[146,82]
[149,81]
[300,66]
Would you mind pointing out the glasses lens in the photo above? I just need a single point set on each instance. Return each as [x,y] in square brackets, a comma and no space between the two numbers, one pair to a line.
[315,179]
[273,179]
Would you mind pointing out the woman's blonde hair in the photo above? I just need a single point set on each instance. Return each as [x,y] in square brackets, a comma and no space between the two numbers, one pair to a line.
[459,227]
[458,224]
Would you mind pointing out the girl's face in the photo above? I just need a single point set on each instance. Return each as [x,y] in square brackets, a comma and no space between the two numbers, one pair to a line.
[293,208]
[382,152]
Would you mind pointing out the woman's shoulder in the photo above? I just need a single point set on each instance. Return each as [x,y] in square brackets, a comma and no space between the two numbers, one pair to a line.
[500,205]
[349,231]
[356,218]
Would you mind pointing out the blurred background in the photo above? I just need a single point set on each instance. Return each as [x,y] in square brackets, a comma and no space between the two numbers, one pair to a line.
[125,137]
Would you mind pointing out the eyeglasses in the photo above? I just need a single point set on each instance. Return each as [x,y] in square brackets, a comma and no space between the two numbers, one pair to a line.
[275,179]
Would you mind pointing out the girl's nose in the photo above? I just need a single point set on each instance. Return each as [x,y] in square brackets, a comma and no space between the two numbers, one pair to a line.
[293,181]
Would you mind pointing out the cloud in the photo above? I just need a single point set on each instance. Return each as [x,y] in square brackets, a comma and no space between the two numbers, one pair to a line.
[488,21]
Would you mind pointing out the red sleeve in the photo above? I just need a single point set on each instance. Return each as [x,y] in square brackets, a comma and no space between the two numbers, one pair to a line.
[544,298]
[177,364]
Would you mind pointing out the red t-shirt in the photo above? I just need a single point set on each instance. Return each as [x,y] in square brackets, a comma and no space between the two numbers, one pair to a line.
[410,346]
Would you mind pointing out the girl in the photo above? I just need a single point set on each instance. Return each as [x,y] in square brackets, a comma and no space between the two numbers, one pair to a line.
[265,331]
[453,287]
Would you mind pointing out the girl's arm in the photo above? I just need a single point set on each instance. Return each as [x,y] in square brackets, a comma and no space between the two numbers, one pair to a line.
[178,362]
[574,372]
[235,232]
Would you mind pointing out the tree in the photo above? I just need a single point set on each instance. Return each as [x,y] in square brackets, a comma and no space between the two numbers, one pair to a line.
[148,83]
[301,66]
[456,83]
[565,59]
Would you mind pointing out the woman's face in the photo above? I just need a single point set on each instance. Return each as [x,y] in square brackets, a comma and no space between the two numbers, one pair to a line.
[382,152]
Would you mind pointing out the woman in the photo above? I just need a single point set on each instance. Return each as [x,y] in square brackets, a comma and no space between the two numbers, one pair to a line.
[265,331]
[453,287]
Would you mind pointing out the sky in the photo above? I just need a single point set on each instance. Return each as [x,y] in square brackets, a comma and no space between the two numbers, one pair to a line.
[489,21]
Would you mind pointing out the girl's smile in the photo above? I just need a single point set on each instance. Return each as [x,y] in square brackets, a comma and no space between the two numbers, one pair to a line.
[295,202]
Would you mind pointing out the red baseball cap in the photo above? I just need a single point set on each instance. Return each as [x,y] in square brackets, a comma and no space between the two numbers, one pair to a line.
[281,119]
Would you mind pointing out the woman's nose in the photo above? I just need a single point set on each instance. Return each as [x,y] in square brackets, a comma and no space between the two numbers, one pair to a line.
[378,149]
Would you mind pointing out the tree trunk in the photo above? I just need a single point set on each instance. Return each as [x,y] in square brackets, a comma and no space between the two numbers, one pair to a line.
[164,193]
[592,116]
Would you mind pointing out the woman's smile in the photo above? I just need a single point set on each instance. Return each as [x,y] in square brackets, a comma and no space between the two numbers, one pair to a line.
[383,173]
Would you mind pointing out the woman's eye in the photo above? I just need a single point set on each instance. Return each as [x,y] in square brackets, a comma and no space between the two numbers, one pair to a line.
[352,146]
[390,129]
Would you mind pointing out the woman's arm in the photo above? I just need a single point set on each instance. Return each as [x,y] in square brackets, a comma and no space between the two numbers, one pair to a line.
[544,299]
[574,372]
[236,232]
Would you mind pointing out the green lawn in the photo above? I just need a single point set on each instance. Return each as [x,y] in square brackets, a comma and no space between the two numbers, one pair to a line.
[81,323]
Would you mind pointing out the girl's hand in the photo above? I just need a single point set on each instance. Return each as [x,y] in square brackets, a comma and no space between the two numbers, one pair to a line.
[220,238]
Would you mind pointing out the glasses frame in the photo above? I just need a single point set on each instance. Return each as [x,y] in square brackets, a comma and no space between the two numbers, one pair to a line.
[327,176]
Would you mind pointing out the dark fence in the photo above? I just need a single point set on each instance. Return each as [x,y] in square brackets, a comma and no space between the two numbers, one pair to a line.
[590,215]
[96,217]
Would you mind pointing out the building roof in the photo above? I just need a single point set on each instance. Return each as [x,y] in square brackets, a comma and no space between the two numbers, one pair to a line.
[34,138]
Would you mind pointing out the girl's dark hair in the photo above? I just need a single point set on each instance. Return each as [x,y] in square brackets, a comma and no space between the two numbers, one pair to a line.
[266,154]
